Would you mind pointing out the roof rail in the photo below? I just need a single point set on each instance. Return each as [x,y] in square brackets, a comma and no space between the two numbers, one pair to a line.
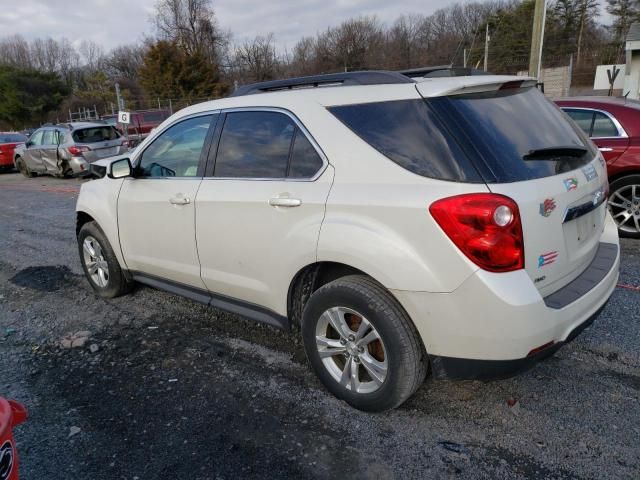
[442,71]
[372,77]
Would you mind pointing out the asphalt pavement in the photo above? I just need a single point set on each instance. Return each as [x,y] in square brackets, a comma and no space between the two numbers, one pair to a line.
[165,388]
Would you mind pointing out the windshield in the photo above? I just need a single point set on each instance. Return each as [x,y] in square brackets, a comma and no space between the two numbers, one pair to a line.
[507,126]
[12,138]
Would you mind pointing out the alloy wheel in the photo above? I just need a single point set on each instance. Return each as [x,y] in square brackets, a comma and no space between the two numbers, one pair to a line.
[97,266]
[351,350]
[624,205]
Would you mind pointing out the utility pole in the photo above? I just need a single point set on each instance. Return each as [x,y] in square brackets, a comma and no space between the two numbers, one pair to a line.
[121,108]
[464,58]
[537,37]
[486,48]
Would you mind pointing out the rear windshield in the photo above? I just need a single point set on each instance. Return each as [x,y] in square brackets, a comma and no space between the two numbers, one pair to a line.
[95,134]
[504,126]
[12,138]
[409,133]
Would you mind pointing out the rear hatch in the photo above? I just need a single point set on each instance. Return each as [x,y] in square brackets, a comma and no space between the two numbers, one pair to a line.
[8,143]
[527,149]
[102,141]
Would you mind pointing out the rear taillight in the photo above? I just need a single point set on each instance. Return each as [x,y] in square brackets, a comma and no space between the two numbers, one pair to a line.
[77,150]
[486,227]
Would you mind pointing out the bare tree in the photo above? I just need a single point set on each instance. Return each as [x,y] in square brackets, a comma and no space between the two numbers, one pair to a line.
[192,25]
[257,59]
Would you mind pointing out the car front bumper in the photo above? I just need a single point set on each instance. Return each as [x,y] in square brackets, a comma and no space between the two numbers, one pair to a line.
[495,324]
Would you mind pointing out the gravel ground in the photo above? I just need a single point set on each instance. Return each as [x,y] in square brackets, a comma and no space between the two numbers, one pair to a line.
[166,388]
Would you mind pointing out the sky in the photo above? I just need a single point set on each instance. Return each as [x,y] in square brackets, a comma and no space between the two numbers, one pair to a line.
[114,22]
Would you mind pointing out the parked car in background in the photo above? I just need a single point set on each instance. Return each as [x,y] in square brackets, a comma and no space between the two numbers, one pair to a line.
[142,123]
[68,149]
[614,126]
[8,143]
[406,227]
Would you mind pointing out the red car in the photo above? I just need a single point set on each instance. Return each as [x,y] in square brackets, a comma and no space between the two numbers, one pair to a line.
[8,142]
[142,123]
[614,126]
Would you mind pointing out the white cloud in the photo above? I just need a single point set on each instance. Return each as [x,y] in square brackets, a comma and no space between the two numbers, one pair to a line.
[115,22]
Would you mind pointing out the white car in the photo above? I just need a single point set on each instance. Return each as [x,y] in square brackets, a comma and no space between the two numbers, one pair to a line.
[452,225]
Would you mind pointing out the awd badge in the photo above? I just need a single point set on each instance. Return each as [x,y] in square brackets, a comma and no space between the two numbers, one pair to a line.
[548,206]
[570,184]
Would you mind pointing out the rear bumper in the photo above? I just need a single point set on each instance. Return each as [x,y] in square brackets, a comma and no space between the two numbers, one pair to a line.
[79,166]
[451,368]
[492,323]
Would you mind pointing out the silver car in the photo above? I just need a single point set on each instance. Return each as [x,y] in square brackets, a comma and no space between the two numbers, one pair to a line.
[68,149]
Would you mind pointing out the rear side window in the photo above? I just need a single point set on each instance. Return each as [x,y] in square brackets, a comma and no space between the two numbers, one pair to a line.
[154,117]
[95,134]
[409,133]
[504,126]
[254,145]
[603,126]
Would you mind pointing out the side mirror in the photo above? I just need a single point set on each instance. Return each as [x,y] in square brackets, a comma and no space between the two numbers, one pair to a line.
[28,143]
[120,168]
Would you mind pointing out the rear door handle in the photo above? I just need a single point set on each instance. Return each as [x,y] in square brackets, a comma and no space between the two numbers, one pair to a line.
[605,149]
[179,200]
[285,202]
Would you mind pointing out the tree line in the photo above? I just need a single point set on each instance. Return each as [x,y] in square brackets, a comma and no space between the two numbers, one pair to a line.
[191,57]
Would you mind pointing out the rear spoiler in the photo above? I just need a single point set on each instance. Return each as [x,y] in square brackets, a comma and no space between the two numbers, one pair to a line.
[479,86]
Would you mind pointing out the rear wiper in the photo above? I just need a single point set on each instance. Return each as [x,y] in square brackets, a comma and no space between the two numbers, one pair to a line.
[552,152]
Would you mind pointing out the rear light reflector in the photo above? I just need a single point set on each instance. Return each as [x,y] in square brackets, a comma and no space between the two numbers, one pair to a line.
[486,227]
[540,349]
[77,150]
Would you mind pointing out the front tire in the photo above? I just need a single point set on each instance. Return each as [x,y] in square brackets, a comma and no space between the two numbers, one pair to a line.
[362,344]
[100,263]
[624,205]
[23,169]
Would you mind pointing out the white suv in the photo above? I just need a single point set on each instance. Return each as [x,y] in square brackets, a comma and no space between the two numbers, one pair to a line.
[456,225]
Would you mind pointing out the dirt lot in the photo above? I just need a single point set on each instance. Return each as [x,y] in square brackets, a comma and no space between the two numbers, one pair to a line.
[166,388]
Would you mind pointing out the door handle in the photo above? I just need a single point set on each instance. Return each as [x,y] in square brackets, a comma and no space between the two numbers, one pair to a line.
[285,202]
[605,149]
[179,200]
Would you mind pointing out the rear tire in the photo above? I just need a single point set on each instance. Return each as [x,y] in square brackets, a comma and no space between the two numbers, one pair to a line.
[23,169]
[624,205]
[100,263]
[373,358]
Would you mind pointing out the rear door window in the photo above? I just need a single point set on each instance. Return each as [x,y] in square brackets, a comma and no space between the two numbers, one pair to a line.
[95,134]
[409,133]
[254,145]
[603,127]
[305,161]
[505,126]
[583,118]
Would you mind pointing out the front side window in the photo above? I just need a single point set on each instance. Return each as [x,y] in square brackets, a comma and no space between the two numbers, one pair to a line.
[603,126]
[36,138]
[254,145]
[49,137]
[176,152]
